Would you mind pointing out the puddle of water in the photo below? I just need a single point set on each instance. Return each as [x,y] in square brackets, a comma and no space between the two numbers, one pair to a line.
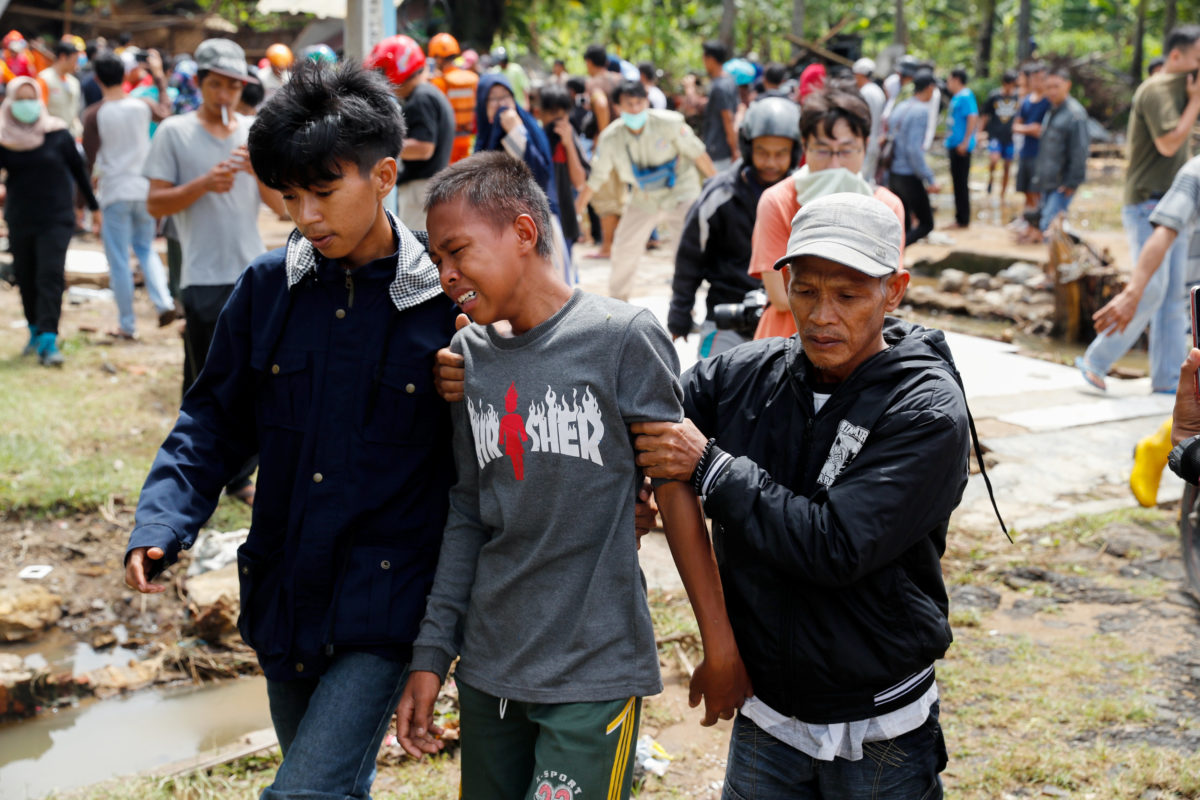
[100,740]
[61,652]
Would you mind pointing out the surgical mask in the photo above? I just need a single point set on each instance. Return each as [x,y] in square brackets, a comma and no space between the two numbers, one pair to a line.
[27,111]
[635,122]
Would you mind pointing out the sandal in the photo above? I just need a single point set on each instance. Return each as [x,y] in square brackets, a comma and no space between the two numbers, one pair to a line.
[245,494]
[1093,379]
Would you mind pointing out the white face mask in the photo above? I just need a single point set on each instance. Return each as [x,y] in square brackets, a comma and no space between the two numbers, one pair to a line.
[27,111]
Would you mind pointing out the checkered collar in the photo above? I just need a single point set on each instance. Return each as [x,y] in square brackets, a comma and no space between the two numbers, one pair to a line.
[416,276]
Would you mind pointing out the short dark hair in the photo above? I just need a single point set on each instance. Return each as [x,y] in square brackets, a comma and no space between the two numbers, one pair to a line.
[596,54]
[922,79]
[631,88]
[498,186]
[1033,67]
[65,49]
[1155,63]
[576,84]
[774,73]
[108,68]
[960,74]
[323,117]
[1009,76]
[822,109]
[1060,72]
[558,62]
[714,49]
[1180,37]
[648,71]
[556,98]
[253,94]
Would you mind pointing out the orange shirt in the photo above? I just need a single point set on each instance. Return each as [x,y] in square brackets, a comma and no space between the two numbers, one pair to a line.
[768,244]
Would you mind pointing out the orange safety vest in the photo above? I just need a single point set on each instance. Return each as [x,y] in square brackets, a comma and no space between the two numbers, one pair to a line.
[459,87]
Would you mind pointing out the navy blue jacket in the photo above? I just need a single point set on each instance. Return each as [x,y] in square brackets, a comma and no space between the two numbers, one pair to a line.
[332,386]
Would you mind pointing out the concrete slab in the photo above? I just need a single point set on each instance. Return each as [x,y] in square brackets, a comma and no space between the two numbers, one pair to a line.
[1107,409]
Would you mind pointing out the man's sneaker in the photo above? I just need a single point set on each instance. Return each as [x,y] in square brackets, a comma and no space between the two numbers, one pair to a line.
[165,318]
[32,347]
[47,350]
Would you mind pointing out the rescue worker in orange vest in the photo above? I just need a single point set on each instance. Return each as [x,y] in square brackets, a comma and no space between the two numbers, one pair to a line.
[459,86]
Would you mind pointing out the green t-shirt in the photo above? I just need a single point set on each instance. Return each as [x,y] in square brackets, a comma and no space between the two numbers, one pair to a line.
[1157,106]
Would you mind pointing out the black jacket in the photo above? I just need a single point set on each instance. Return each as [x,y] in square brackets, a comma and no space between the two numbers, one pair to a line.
[829,527]
[715,246]
[42,182]
[1063,148]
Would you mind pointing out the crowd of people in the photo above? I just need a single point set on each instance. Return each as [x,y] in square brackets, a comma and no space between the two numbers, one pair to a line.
[415,483]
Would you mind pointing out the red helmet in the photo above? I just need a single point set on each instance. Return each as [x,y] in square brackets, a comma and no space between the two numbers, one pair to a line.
[443,45]
[398,57]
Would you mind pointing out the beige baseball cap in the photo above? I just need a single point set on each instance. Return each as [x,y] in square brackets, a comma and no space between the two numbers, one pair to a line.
[855,230]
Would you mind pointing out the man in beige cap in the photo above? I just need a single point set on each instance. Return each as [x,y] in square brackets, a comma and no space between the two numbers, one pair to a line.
[200,174]
[829,463]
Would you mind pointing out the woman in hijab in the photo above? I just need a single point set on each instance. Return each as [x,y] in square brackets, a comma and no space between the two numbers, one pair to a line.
[501,124]
[42,162]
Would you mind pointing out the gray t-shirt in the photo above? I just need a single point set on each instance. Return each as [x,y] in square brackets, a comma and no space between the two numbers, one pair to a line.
[538,585]
[124,127]
[1179,210]
[722,96]
[219,232]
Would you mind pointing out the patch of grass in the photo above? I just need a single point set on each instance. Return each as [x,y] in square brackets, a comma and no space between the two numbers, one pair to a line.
[1084,529]
[672,615]
[1018,714]
[71,438]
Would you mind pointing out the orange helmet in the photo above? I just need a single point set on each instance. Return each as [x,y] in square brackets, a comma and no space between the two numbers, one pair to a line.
[14,37]
[280,56]
[397,57]
[443,45]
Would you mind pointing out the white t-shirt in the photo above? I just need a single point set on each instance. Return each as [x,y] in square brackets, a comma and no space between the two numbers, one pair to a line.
[124,127]
[656,97]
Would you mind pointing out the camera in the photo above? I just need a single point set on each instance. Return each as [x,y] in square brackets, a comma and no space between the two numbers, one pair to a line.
[741,317]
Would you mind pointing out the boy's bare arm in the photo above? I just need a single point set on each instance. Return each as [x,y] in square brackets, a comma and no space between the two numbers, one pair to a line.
[721,676]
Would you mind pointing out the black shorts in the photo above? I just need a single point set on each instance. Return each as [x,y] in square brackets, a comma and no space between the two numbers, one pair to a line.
[1025,175]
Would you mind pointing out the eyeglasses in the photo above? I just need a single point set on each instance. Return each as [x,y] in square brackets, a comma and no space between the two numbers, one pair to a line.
[825,154]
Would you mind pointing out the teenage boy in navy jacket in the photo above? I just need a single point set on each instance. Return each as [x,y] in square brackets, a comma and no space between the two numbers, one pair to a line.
[322,364]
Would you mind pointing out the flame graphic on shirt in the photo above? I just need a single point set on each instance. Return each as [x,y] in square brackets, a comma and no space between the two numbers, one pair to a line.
[568,426]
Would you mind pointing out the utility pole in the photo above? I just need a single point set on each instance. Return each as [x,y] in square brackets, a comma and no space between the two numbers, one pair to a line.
[1024,32]
[368,22]
[797,25]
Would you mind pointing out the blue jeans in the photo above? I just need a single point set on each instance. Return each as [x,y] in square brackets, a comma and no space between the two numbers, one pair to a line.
[1053,204]
[330,727]
[127,224]
[760,767]
[1164,307]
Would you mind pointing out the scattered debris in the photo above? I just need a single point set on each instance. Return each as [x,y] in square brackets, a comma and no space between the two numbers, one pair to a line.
[26,609]
[214,550]
[652,757]
[213,600]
